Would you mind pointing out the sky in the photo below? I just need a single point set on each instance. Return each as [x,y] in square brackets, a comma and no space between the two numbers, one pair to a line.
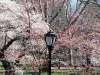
[73,4]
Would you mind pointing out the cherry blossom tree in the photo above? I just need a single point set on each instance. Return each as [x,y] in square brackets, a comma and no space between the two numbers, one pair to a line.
[73,24]
[21,30]
[79,32]
[72,21]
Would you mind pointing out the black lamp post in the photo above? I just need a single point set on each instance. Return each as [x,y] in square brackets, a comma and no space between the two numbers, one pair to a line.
[50,39]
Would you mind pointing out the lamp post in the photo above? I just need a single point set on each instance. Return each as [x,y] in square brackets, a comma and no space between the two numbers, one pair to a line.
[50,39]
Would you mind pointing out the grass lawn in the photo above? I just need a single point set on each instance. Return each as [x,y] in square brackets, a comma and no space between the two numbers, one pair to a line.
[56,72]
[63,72]
[60,72]
[0,64]
[32,73]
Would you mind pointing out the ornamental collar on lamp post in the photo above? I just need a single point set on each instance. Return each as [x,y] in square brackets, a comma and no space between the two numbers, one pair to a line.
[50,38]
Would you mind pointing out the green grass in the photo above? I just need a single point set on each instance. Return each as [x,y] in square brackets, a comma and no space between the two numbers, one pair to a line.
[56,72]
[62,72]
[20,64]
[30,73]
[0,64]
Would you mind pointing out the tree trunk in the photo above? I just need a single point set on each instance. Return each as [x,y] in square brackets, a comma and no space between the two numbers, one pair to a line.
[8,66]
[69,57]
[39,71]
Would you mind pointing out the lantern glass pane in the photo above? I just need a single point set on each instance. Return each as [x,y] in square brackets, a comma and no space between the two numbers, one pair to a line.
[49,40]
[53,40]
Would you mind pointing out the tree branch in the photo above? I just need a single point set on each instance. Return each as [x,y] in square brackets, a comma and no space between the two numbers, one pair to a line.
[57,12]
[96,3]
[79,13]
[8,44]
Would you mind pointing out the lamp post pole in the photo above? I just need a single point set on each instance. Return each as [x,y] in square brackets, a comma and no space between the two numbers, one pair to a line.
[50,39]
[50,48]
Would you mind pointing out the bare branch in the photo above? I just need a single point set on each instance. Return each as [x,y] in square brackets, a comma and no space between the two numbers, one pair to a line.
[98,16]
[57,12]
[79,13]
[8,44]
